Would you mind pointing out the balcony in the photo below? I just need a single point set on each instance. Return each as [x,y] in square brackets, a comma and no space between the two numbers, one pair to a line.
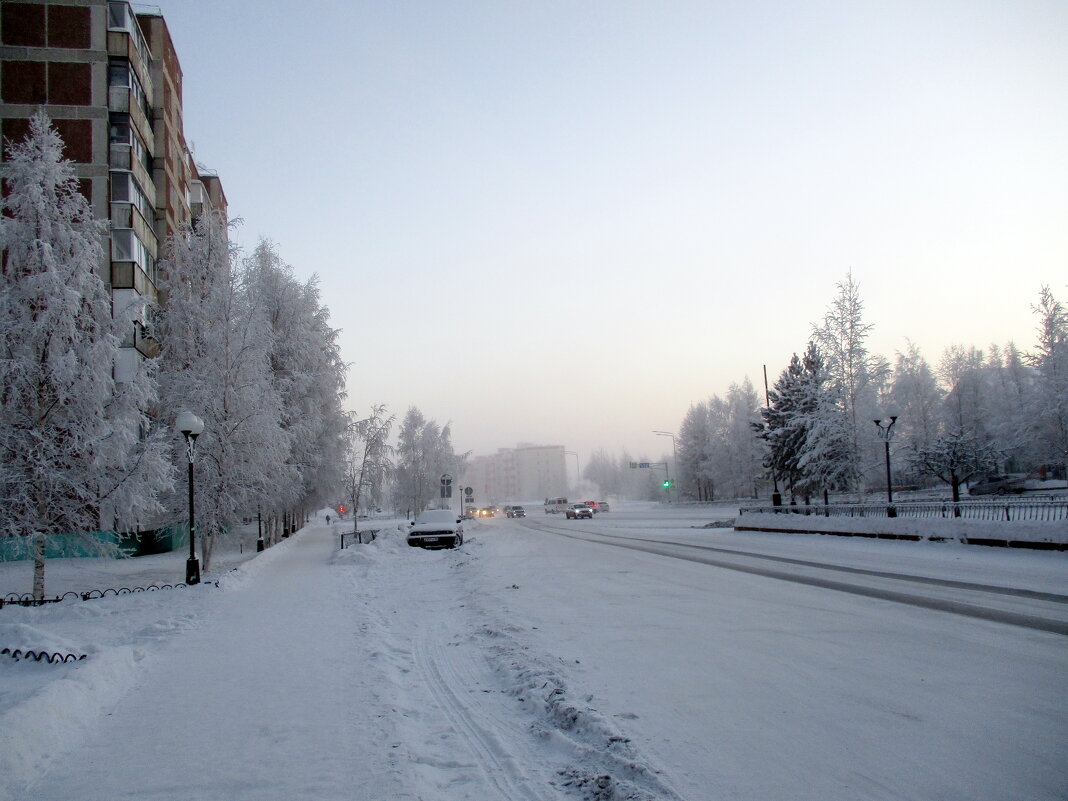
[146,345]
[128,275]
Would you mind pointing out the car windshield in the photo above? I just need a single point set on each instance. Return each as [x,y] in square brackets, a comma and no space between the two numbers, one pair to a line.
[437,516]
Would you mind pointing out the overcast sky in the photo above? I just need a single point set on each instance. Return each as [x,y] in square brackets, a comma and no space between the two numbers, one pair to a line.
[564,222]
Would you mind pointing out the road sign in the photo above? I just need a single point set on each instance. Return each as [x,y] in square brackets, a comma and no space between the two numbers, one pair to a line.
[468,491]
[645,464]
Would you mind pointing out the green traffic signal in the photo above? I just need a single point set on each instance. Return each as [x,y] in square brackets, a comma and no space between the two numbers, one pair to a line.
[667,483]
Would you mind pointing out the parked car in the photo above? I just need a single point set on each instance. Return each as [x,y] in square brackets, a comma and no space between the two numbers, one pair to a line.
[578,510]
[515,511]
[436,528]
[997,485]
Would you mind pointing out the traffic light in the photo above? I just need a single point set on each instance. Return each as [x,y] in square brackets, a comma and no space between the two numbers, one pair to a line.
[667,483]
[341,509]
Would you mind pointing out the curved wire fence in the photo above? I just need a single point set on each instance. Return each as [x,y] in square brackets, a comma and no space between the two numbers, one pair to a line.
[42,656]
[27,599]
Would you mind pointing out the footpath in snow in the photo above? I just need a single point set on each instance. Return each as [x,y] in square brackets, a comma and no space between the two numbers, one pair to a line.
[309,673]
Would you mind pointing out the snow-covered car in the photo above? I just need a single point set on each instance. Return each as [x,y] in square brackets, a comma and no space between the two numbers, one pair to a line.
[436,528]
[515,511]
[578,510]
[997,485]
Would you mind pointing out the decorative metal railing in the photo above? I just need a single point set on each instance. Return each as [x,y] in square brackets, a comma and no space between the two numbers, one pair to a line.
[1043,511]
[27,599]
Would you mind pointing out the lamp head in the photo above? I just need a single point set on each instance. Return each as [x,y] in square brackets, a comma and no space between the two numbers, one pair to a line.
[189,424]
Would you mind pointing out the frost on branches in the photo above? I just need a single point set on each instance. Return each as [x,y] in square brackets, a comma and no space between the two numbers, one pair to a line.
[76,455]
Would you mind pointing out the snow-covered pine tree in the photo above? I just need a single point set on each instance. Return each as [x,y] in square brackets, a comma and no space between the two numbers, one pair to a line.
[76,452]
[854,374]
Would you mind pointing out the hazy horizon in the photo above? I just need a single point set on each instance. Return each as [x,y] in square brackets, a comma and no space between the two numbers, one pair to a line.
[566,223]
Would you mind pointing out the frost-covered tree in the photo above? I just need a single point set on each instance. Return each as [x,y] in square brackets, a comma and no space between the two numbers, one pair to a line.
[695,445]
[368,458]
[954,458]
[602,471]
[77,451]
[855,375]
[216,345]
[789,419]
[1050,360]
[307,373]
[1008,408]
[424,453]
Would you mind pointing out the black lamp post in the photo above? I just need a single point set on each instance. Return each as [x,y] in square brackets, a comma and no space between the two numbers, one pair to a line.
[886,433]
[191,427]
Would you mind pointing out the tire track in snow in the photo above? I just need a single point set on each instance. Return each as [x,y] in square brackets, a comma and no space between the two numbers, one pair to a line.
[439,671]
[978,611]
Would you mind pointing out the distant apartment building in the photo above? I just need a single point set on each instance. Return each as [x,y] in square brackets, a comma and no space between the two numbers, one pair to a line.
[110,80]
[524,473]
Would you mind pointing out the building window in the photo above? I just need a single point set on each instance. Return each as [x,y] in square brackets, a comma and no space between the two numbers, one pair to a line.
[121,74]
[125,135]
[121,18]
[125,189]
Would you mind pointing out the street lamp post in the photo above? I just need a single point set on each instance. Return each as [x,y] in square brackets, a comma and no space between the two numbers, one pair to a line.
[674,451]
[886,433]
[191,427]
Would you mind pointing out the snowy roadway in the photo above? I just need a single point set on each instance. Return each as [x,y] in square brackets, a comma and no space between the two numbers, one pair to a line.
[531,664]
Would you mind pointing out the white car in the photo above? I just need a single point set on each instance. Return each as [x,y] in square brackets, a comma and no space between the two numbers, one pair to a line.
[436,528]
[579,510]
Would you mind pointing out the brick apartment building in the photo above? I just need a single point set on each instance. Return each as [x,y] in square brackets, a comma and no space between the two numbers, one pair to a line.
[111,82]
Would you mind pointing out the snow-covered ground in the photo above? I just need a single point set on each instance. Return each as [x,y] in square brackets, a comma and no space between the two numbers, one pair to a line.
[529,664]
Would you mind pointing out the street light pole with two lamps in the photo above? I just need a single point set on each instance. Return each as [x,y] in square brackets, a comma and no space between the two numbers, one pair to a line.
[886,433]
[191,427]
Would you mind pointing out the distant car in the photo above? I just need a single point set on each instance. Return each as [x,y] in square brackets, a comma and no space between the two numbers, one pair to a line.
[578,510]
[997,485]
[603,506]
[436,528]
[487,511]
[515,511]
[594,506]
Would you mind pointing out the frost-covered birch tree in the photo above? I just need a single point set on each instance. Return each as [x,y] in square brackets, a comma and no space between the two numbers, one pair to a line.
[309,378]
[694,447]
[1050,360]
[77,451]
[917,399]
[368,458]
[215,361]
[424,453]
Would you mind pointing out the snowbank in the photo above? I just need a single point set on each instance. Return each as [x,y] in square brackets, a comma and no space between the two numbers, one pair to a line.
[980,532]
